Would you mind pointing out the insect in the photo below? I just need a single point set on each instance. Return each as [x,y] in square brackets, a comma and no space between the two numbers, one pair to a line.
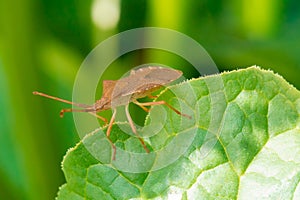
[140,83]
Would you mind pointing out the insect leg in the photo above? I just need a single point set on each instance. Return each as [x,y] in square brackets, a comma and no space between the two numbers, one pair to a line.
[129,119]
[142,106]
[134,129]
[112,119]
[164,103]
[82,110]
[152,96]
[99,117]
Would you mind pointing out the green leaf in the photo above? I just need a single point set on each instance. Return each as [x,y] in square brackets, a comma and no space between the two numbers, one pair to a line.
[243,142]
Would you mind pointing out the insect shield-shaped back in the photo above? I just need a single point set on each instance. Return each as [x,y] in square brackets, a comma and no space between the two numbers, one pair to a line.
[140,83]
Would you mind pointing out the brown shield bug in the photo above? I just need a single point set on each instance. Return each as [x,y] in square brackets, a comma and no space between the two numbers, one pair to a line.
[140,83]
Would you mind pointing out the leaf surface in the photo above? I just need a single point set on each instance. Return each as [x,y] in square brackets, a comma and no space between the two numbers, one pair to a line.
[243,142]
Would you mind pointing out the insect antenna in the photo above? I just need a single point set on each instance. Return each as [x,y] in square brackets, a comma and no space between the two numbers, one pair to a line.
[61,100]
[89,109]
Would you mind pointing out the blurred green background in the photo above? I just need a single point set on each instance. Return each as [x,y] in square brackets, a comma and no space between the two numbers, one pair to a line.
[42,44]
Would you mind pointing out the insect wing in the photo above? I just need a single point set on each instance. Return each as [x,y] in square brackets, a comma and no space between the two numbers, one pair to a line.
[144,79]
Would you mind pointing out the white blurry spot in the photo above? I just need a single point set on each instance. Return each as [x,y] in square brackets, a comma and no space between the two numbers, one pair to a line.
[175,193]
[106,13]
